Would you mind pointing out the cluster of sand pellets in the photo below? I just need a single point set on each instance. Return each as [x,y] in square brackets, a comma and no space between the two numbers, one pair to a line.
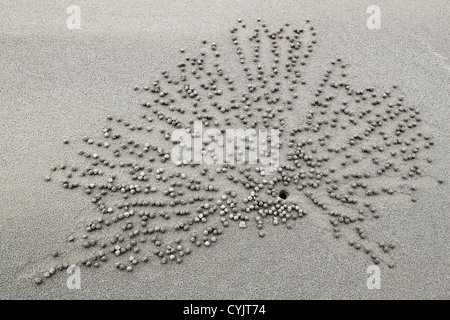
[355,149]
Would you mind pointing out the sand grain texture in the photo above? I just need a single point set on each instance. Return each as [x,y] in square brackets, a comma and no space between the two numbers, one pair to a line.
[60,84]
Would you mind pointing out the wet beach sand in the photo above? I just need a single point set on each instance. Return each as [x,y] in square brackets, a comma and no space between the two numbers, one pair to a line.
[65,94]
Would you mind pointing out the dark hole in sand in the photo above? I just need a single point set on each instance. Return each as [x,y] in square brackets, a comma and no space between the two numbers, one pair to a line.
[283,194]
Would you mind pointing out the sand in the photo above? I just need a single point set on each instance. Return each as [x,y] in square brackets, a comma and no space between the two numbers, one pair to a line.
[58,83]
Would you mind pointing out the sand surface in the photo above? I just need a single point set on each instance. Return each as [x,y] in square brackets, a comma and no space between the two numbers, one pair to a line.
[57,84]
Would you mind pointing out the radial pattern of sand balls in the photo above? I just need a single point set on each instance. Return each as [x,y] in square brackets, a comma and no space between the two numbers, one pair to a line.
[353,151]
